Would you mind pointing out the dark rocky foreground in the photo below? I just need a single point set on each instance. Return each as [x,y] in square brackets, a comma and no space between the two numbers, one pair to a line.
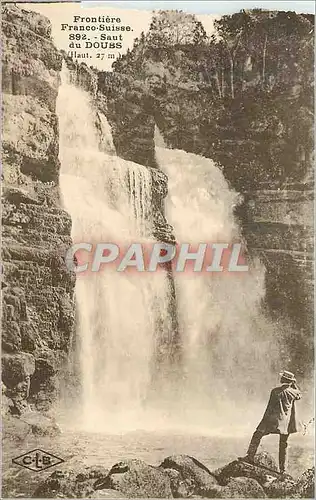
[178,476]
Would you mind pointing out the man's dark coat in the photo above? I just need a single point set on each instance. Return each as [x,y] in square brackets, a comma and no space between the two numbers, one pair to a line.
[280,417]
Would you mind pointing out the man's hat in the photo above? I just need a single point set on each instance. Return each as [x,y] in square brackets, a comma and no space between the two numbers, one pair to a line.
[288,376]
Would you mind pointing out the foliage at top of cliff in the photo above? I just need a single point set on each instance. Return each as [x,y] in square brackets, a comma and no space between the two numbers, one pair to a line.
[174,27]
[31,20]
[28,49]
[256,46]
[239,88]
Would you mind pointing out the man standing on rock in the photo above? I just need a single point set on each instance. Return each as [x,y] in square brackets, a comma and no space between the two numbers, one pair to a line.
[279,418]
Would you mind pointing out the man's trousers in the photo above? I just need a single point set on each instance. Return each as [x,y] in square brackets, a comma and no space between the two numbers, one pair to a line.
[255,441]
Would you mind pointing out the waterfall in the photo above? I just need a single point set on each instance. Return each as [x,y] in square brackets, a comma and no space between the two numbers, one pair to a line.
[124,323]
[109,200]
[227,344]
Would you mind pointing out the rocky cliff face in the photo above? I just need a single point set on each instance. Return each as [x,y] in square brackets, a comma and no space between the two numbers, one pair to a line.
[278,226]
[38,305]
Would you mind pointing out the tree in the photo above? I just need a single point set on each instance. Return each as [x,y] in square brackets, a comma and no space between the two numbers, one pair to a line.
[231,31]
[175,27]
[199,34]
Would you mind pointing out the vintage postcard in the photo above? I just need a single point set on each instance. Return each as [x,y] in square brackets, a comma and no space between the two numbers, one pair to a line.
[157,249]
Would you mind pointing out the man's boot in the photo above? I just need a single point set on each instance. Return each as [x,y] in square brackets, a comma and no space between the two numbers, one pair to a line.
[282,452]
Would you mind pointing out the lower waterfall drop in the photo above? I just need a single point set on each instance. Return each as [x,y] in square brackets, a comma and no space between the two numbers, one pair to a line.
[225,338]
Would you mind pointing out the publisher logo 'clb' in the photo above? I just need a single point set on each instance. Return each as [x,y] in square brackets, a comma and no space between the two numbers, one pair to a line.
[37,460]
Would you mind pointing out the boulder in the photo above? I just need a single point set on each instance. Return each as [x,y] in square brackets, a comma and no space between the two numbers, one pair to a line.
[107,494]
[31,66]
[18,396]
[30,130]
[264,459]
[18,195]
[71,483]
[14,429]
[134,478]
[281,487]
[95,472]
[17,368]
[11,338]
[242,487]
[40,425]
[14,297]
[193,475]
[264,470]
[305,486]
[46,364]
[180,487]
[7,406]
[17,427]
[30,337]
[35,22]
[45,382]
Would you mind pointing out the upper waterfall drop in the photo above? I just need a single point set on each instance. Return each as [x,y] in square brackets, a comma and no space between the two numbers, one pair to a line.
[106,140]
[158,138]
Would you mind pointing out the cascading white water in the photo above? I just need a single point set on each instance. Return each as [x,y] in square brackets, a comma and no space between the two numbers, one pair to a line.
[123,317]
[225,338]
[109,201]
